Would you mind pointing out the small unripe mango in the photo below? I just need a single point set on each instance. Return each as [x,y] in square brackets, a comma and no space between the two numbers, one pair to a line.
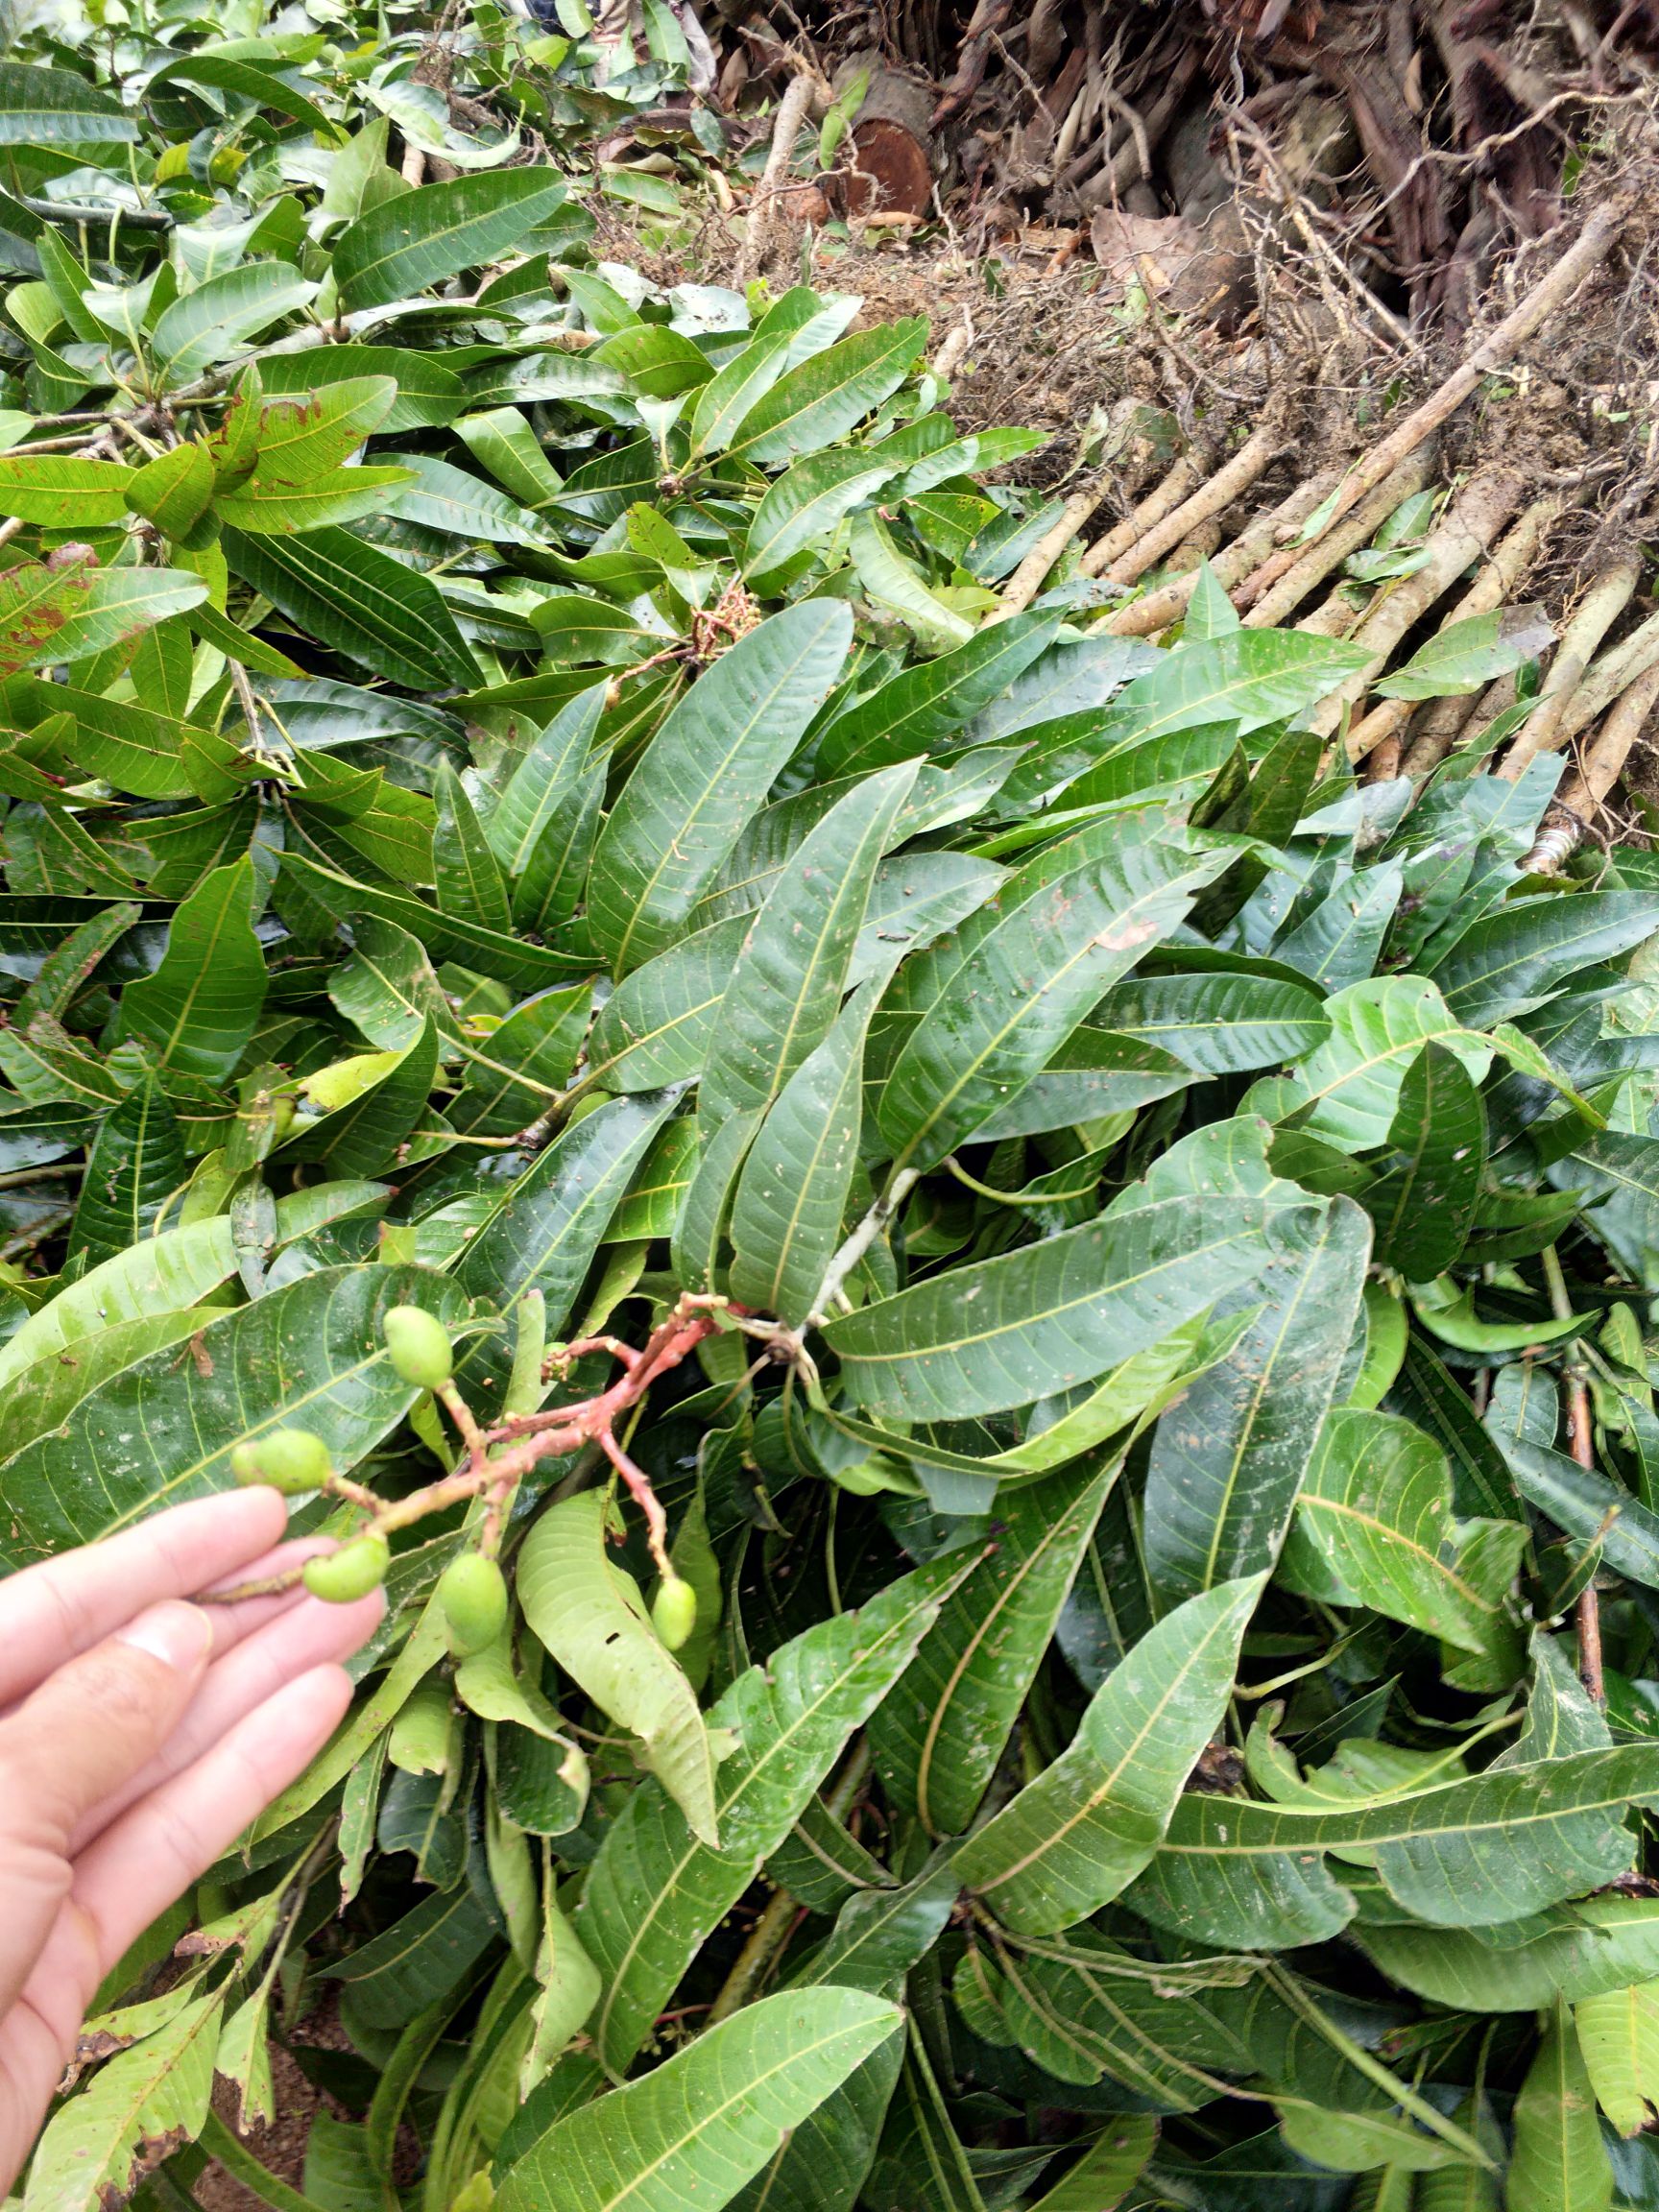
[473,1595]
[358,1566]
[674,1611]
[419,1346]
[290,1459]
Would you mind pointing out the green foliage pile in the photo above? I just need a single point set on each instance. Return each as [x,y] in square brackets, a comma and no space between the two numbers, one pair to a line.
[520,803]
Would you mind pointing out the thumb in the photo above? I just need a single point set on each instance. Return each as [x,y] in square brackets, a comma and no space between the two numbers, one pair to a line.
[94,1723]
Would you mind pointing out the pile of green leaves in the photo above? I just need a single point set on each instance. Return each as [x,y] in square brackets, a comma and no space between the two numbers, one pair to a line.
[516,781]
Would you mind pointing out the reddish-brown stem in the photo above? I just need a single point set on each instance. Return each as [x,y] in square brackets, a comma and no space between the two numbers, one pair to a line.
[517,1443]
[461,1413]
[566,1356]
[645,1497]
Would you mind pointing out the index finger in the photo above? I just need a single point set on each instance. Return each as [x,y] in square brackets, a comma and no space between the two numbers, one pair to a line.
[51,1613]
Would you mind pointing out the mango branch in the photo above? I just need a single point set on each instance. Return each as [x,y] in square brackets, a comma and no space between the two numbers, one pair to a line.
[495,1459]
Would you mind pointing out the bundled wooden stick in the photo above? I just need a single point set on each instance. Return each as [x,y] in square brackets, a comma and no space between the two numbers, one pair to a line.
[1445,720]
[1551,292]
[1144,617]
[1591,620]
[1580,796]
[1027,580]
[1163,498]
[1611,674]
[1497,578]
[1478,513]
[1259,450]
[1309,569]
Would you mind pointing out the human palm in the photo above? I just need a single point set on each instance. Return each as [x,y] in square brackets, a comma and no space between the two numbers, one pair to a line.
[139,1735]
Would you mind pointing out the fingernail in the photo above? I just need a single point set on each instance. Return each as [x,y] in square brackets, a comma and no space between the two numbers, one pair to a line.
[175,1633]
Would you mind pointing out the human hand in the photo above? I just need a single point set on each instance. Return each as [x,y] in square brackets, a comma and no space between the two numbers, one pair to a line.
[138,1736]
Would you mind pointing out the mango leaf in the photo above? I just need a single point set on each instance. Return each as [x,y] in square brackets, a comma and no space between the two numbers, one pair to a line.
[592,1618]
[520,1071]
[51,107]
[1229,1457]
[1007,1331]
[657,1025]
[161,1431]
[62,490]
[1107,2171]
[1073,1838]
[198,1011]
[914,711]
[397,250]
[651,1890]
[466,875]
[339,495]
[704,774]
[1028,983]
[791,1195]
[1217,1025]
[543,1232]
[1424,1204]
[1467,655]
[55,614]
[823,2164]
[805,503]
[207,325]
[819,402]
[552,766]
[1352,1082]
[786,986]
[1080,2007]
[921,2160]
[169,1271]
[1602,1944]
[1249,677]
[723,2105]
[133,1167]
[937,1737]
[355,597]
[142,2104]
[1477,1853]
[1619,2040]
[1378,1503]
[1557,2164]
[1588,1507]
[1514,960]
